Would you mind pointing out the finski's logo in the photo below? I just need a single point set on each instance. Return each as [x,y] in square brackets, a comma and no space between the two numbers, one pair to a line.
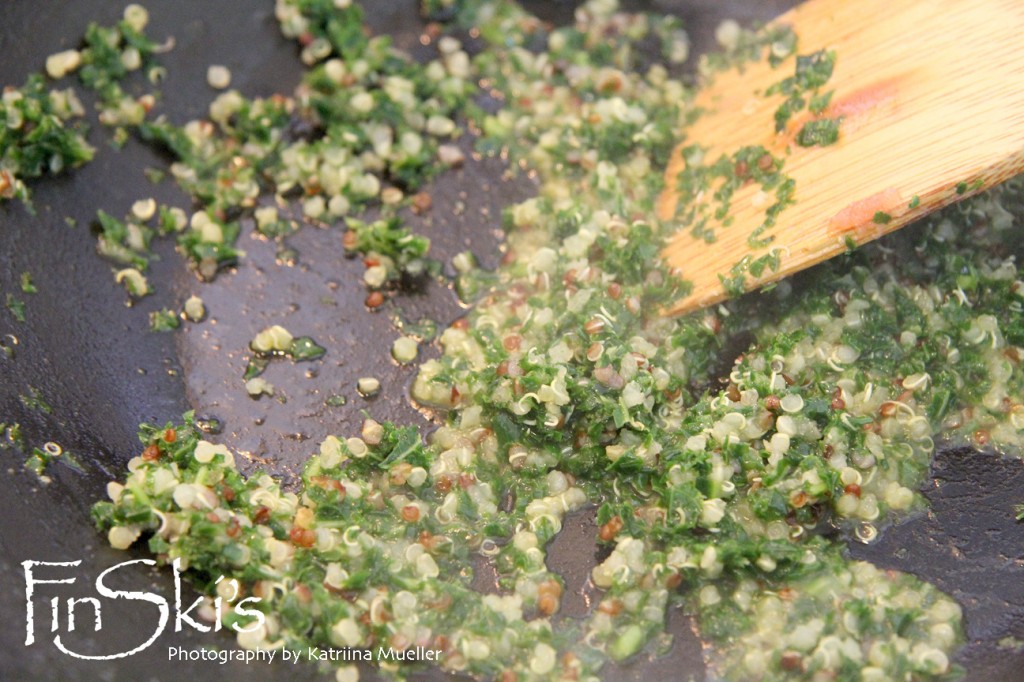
[64,611]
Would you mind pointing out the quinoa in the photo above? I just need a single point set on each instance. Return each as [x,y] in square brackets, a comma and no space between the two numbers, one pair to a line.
[564,389]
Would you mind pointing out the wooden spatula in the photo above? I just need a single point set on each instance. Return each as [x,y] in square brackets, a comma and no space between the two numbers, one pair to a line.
[929,96]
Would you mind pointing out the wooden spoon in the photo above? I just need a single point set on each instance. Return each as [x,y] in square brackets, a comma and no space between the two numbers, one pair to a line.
[931,100]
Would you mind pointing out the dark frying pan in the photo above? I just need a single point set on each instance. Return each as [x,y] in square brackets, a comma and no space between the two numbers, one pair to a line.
[100,370]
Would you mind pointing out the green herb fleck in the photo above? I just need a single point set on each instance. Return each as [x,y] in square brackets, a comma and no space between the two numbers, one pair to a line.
[305,348]
[423,329]
[881,218]
[1010,642]
[812,71]
[255,367]
[819,133]
[154,175]
[34,401]
[11,436]
[27,285]
[17,307]
[164,320]
[38,461]
[820,102]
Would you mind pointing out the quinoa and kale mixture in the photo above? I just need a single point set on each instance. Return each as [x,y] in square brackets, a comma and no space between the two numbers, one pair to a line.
[730,455]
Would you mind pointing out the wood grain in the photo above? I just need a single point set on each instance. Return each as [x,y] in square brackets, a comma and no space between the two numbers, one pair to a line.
[932,96]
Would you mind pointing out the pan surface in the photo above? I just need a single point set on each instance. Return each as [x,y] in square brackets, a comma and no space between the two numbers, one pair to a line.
[100,372]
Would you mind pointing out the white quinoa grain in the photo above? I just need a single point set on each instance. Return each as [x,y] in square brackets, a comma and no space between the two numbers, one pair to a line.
[404,350]
[218,76]
[368,386]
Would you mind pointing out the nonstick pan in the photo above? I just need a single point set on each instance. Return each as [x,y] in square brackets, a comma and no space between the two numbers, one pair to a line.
[85,370]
